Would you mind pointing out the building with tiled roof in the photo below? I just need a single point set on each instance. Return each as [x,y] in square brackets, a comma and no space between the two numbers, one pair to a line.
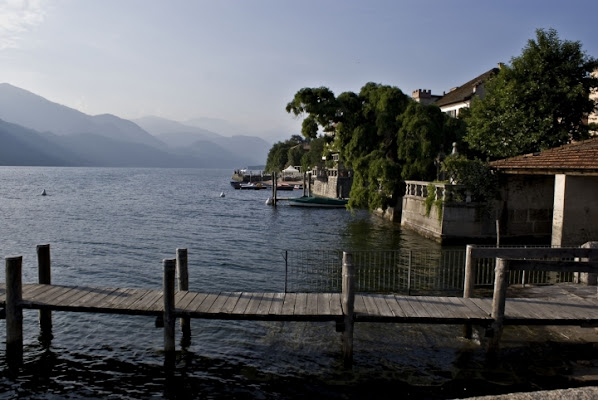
[460,97]
[579,158]
[552,193]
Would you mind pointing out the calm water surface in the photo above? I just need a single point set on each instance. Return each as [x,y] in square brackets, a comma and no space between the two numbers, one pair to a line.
[113,227]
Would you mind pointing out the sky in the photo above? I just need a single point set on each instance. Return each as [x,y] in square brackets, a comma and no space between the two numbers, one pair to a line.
[242,61]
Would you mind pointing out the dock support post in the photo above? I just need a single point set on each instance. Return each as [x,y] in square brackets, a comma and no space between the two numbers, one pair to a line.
[169,266]
[14,312]
[468,286]
[44,278]
[183,285]
[348,300]
[498,305]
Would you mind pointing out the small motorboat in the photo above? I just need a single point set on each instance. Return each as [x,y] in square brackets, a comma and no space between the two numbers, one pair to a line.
[322,202]
[284,186]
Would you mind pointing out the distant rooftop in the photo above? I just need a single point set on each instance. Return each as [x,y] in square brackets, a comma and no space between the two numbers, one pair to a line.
[466,91]
[578,158]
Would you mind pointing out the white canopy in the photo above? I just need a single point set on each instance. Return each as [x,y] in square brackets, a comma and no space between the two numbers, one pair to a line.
[290,169]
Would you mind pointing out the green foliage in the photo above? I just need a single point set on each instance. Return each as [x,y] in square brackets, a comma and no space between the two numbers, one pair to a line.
[477,177]
[539,102]
[381,133]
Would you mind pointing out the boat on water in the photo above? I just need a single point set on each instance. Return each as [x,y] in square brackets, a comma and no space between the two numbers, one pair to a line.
[285,186]
[322,202]
[251,186]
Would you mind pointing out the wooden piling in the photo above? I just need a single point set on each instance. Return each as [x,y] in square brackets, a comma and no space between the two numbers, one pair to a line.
[348,302]
[468,286]
[498,304]
[44,278]
[183,285]
[14,311]
[169,266]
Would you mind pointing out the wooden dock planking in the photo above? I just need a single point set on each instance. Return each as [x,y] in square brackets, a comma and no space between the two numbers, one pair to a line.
[242,303]
[231,302]
[265,304]
[306,306]
[277,303]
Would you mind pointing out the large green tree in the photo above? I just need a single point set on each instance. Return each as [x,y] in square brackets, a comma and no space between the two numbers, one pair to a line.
[538,102]
[380,133]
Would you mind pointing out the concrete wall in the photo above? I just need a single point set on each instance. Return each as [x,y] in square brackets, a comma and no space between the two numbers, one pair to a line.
[457,220]
[333,186]
[526,207]
[575,218]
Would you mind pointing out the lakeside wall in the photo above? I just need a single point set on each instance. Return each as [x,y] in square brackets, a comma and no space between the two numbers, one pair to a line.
[450,218]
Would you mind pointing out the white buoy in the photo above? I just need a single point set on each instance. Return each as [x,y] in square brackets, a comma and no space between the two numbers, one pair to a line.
[221,194]
[44,192]
[269,201]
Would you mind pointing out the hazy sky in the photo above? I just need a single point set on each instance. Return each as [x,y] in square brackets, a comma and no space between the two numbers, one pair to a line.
[243,60]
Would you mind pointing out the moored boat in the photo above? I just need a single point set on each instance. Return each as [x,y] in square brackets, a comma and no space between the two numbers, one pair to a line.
[322,202]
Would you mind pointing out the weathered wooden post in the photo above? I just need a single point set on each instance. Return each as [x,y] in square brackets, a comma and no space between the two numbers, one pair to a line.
[468,286]
[348,298]
[14,311]
[44,278]
[183,285]
[169,266]
[498,304]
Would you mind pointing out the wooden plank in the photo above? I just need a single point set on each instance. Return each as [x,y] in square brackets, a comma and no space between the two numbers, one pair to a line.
[418,307]
[147,302]
[483,304]
[288,306]
[359,306]
[207,302]
[184,300]
[395,307]
[312,304]
[197,302]
[47,293]
[277,303]
[301,304]
[447,308]
[95,296]
[216,307]
[429,304]
[265,303]
[406,306]
[370,306]
[324,303]
[382,305]
[544,265]
[461,310]
[534,252]
[242,303]
[230,304]
[335,304]
[70,297]
[254,304]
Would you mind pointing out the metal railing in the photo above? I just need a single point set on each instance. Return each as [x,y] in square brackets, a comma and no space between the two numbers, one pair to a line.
[398,271]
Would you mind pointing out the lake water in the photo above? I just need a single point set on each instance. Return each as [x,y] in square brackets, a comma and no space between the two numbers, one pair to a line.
[113,227]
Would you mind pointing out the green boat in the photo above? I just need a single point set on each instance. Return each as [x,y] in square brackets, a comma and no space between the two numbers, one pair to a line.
[322,202]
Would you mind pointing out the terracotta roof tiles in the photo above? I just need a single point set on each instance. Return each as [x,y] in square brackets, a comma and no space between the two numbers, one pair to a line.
[578,158]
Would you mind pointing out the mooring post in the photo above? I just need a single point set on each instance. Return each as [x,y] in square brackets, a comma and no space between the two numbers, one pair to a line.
[468,286]
[14,311]
[498,304]
[183,285]
[348,299]
[169,266]
[44,278]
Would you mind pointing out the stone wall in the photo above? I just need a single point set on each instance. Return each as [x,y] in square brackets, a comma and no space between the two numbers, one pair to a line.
[526,204]
[575,219]
[332,185]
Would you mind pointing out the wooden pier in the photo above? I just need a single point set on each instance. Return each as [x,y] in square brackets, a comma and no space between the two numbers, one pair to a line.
[345,309]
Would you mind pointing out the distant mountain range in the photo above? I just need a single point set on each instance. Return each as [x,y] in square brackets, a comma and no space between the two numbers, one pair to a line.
[36,131]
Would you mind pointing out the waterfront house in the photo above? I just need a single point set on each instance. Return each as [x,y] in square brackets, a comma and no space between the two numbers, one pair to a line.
[551,195]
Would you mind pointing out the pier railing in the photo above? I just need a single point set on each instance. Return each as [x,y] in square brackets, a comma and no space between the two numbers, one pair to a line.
[417,272]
